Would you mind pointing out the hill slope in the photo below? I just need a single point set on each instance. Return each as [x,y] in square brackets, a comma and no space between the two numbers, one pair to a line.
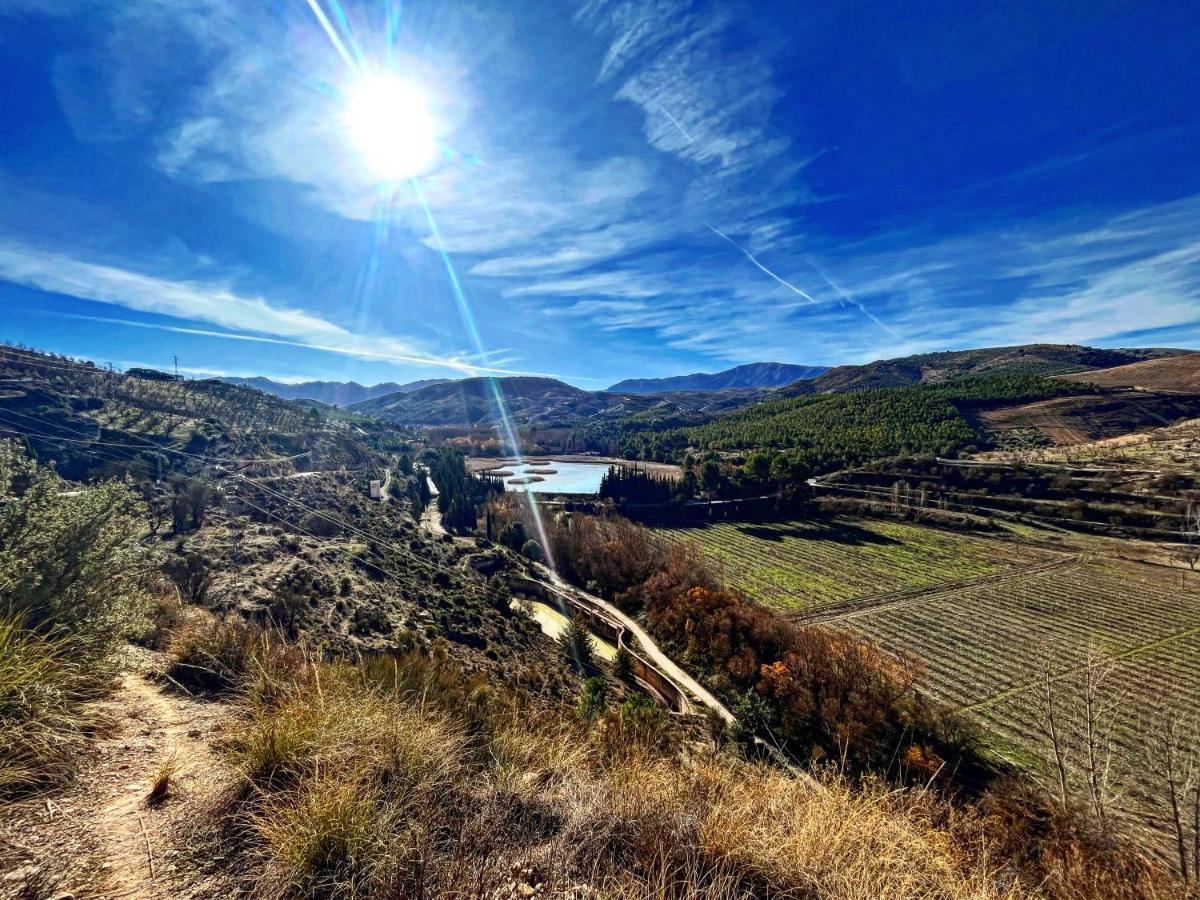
[1171,373]
[925,368]
[335,393]
[543,402]
[751,375]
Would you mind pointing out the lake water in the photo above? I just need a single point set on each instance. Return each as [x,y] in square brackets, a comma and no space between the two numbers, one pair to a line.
[568,477]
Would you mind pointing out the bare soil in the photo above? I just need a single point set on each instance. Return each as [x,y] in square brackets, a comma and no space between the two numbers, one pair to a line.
[102,837]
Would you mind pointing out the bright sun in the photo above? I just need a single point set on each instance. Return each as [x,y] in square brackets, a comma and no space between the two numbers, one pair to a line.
[389,122]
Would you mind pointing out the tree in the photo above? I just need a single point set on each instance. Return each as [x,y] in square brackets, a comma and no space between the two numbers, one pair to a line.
[180,509]
[1050,717]
[593,701]
[1172,756]
[200,498]
[576,644]
[512,535]
[623,665]
[531,549]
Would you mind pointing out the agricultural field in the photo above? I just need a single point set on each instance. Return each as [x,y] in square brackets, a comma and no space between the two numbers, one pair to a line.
[797,566]
[990,648]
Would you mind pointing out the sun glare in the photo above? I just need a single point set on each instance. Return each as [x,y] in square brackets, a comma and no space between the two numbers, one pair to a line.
[390,124]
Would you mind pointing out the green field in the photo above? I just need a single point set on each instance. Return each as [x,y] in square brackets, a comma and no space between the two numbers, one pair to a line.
[795,566]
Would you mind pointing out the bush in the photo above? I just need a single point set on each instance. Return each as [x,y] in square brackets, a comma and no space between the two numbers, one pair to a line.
[72,562]
[531,549]
[74,583]
[319,525]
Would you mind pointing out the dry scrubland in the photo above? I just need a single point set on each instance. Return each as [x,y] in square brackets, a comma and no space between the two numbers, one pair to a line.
[794,566]
[394,779]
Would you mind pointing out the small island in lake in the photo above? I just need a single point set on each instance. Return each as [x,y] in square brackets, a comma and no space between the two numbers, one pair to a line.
[541,471]
[525,479]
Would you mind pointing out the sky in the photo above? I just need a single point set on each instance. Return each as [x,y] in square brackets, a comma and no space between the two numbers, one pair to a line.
[596,190]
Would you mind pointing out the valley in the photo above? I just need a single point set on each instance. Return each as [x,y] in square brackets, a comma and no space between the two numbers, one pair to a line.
[703,588]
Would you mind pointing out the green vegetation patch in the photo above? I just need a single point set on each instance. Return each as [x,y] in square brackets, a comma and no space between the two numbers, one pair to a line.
[800,565]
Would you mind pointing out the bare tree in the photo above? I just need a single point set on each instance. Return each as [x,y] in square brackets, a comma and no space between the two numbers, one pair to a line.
[1049,704]
[1171,756]
[1190,532]
[1099,709]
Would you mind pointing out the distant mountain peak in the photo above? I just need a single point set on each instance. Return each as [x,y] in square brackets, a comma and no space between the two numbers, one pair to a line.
[335,393]
[750,375]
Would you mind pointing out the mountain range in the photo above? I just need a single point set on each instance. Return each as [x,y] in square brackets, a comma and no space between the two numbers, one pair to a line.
[547,402]
[751,375]
[335,393]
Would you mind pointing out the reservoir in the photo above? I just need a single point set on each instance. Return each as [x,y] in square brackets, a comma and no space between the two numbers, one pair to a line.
[544,476]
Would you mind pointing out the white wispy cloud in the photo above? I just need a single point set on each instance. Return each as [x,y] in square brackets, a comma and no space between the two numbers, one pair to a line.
[253,318]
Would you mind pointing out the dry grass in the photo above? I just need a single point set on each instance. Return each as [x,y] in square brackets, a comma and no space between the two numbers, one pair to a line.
[45,683]
[160,784]
[357,789]
[214,656]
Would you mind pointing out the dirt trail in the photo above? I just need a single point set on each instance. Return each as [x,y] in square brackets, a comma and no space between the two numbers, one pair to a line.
[100,838]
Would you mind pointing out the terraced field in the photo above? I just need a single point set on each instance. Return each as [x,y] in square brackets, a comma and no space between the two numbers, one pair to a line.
[985,648]
[795,566]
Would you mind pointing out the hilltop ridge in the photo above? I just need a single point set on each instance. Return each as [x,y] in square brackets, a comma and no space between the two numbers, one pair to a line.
[751,375]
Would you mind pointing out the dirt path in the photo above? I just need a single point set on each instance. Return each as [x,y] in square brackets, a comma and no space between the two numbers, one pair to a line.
[431,518]
[101,838]
[695,692]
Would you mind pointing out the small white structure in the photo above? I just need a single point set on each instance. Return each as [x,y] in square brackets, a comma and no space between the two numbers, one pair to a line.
[376,489]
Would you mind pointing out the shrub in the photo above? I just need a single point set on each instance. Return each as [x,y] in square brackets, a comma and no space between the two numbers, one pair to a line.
[71,562]
[575,644]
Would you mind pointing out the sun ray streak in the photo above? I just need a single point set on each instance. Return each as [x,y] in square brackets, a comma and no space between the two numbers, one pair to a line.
[501,409]
[332,34]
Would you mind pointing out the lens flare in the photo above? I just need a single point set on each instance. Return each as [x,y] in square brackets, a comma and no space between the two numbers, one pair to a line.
[389,122]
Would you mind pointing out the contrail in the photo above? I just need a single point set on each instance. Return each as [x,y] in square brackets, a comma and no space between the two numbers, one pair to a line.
[848,298]
[675,122]
[750,256]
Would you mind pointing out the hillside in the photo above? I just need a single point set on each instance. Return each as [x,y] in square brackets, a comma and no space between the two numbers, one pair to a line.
[93,422]
[1170,373]
[544,403]
[751,375]
[335,393]
[925,368]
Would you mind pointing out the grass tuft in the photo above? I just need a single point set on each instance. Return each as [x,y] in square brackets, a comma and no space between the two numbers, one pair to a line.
[44,682]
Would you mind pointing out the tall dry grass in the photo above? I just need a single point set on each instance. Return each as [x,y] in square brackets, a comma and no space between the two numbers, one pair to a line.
[358,786]
[45,682]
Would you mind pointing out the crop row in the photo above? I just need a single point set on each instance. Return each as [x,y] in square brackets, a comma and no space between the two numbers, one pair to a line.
[986,646]
[800,565]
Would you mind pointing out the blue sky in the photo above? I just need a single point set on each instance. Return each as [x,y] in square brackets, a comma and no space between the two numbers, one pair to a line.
[629,188]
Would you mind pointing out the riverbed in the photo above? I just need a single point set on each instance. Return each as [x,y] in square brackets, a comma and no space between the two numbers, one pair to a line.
[553,623]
